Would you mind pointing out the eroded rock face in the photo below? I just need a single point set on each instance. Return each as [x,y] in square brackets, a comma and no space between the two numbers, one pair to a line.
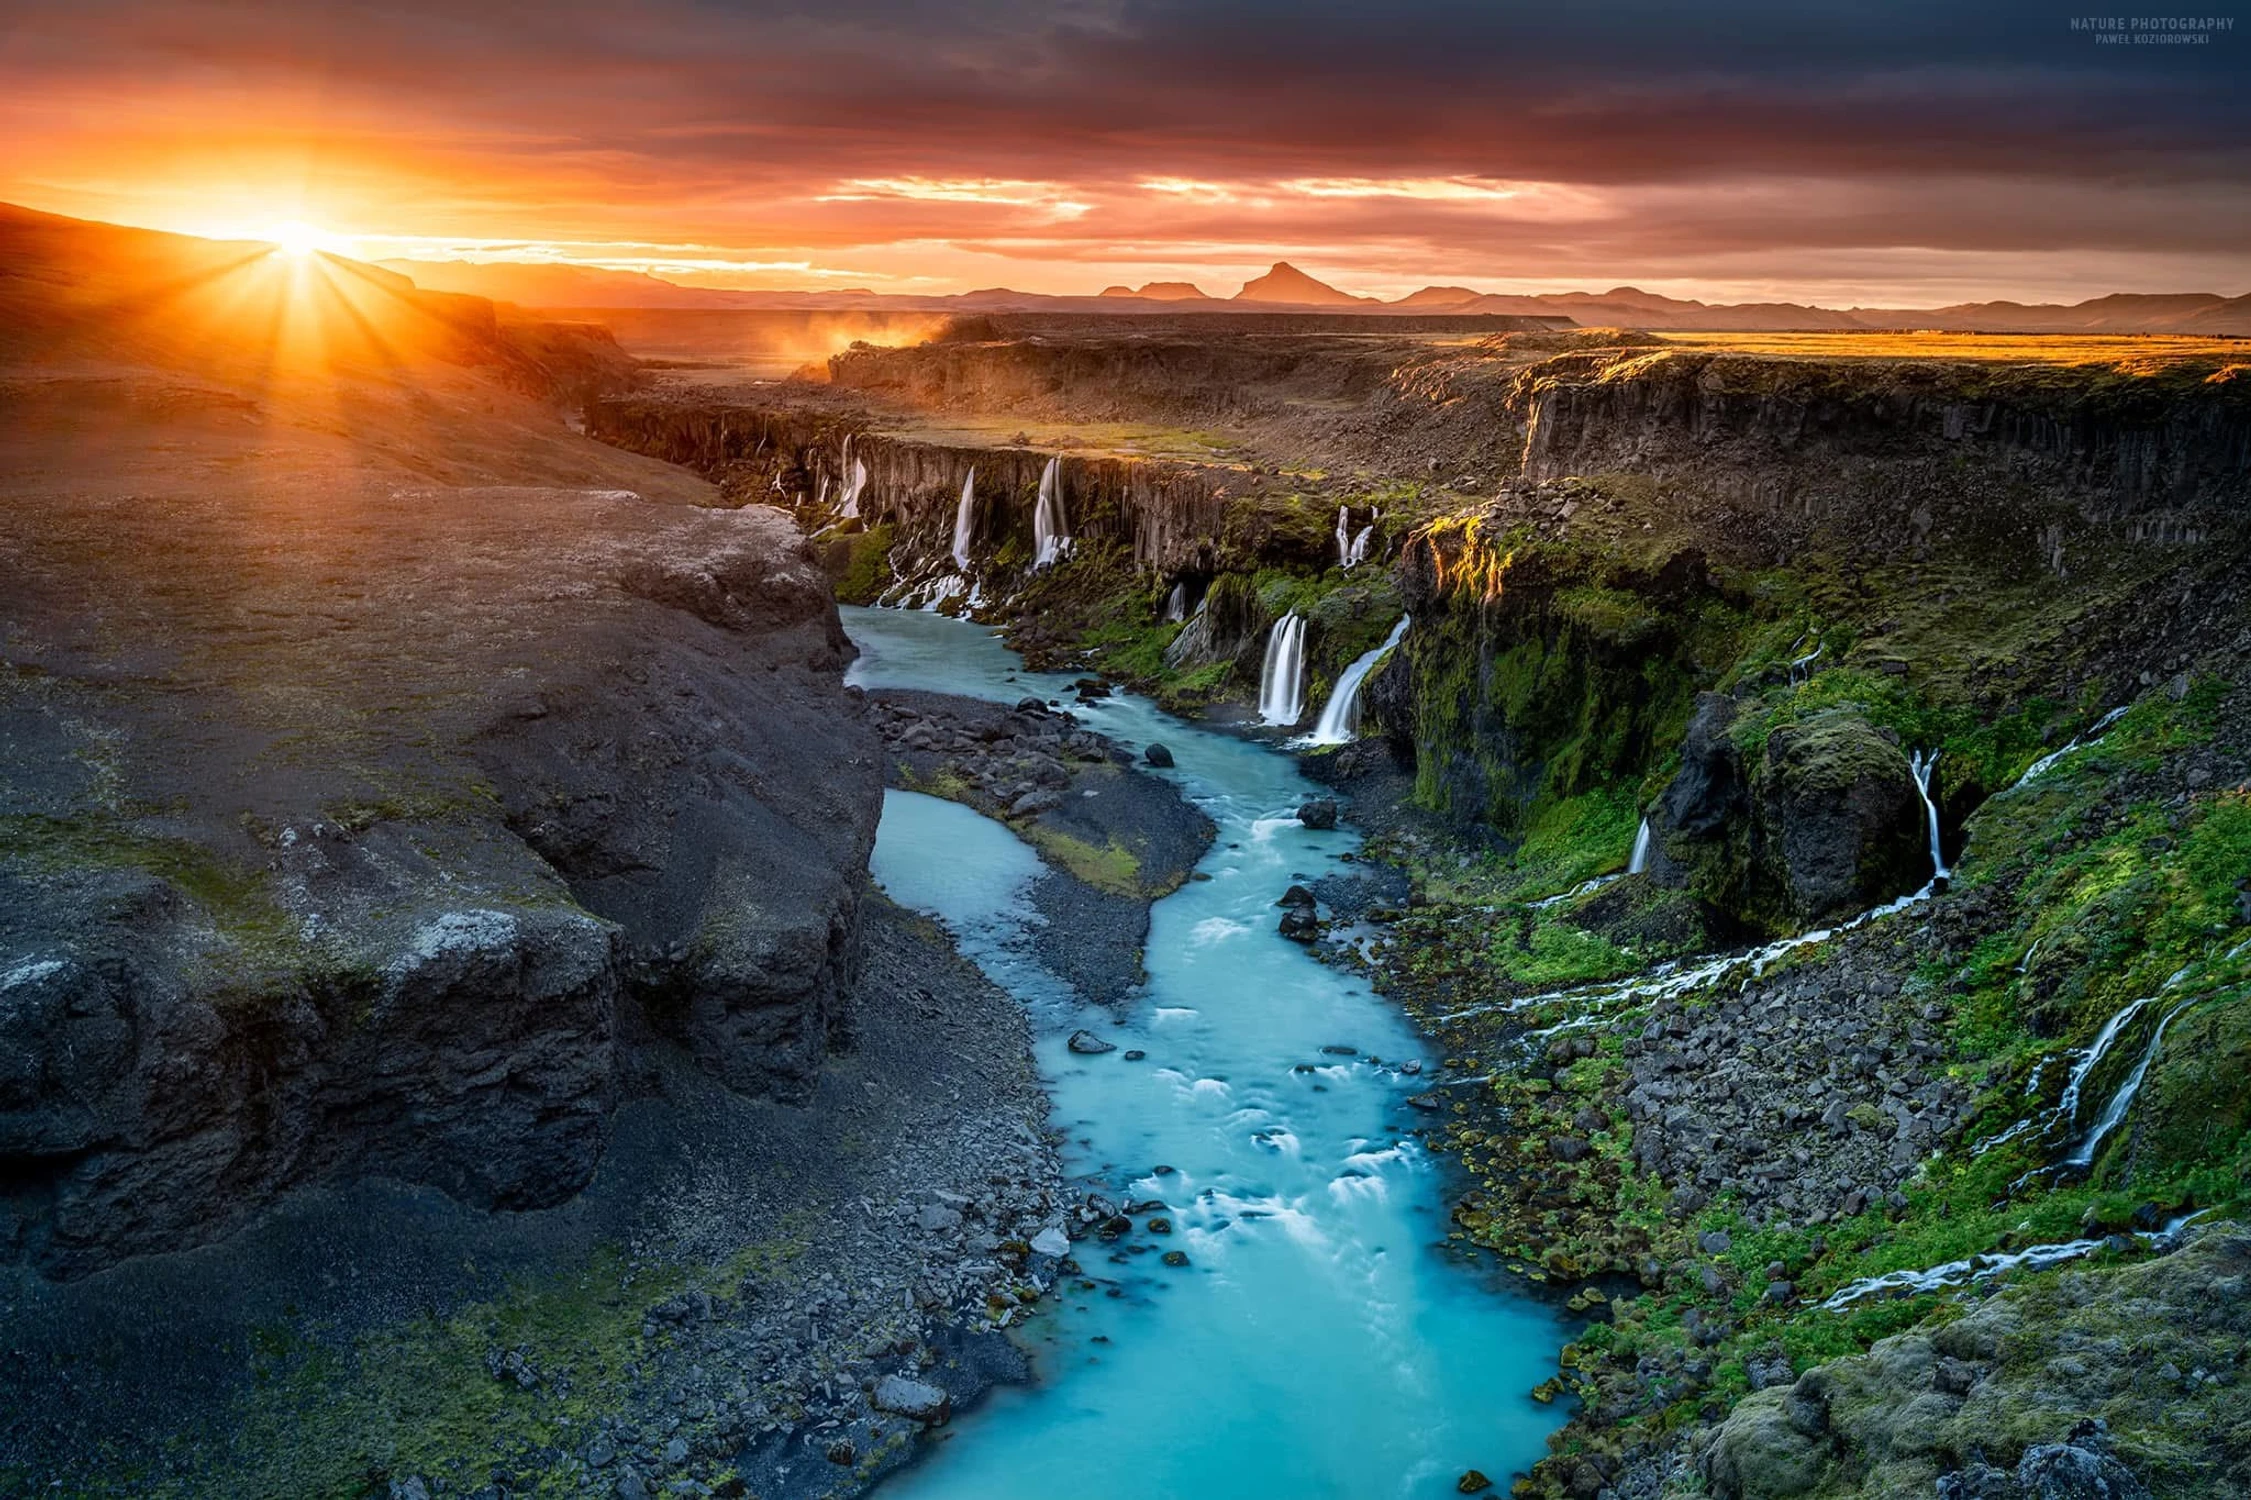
[377,845]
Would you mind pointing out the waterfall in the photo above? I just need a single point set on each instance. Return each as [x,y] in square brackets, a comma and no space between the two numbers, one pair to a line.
[965,520]
[1051,526]
[1340,721]
[1352,547]
[2094,733]
[1799,665]
[2068,1106]
[1176,604]
[853,487]
[1281,682]
[2123,1100]
[1638,861]
[1923,768]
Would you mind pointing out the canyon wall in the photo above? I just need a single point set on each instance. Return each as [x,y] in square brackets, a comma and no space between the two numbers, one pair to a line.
[393,827]
[1168,517]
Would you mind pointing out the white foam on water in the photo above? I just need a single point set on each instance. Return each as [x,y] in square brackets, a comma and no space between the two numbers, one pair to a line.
[1319,1342]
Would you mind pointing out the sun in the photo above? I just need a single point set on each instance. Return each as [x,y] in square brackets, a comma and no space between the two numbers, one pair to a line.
[298,238]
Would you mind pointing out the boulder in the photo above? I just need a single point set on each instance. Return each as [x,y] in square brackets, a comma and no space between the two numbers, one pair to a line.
[1841,817]
[914,1399]
[1820,824]
[1320,812]
[1158,755]
[1761,1453]
[1087,1044]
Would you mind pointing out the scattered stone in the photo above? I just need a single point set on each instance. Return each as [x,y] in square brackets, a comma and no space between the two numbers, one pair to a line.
[1321,812]
[1135,1054]
[1051,1241]
[1175,1258]
[1472,1482]
[1087,1044]
[1158,755]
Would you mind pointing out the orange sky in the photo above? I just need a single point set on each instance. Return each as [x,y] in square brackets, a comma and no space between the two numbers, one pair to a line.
[928,148]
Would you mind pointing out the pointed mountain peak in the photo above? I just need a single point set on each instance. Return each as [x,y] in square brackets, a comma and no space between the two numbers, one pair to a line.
[1286,283]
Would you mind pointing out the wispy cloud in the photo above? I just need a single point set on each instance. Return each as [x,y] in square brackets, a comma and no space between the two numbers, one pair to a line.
[1051,197]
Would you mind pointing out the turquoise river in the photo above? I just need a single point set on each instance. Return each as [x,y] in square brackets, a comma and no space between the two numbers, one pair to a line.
[1322,1340]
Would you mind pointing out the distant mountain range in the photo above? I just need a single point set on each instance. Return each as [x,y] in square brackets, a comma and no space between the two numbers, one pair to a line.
[1285,286]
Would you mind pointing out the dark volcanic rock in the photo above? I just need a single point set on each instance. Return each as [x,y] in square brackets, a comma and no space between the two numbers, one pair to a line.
[1321,812]
[1826,824]
[370,846]
[1157,755]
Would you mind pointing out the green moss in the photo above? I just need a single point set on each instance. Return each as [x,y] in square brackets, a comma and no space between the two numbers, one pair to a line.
[329,1416]
[1108,867]
[866,571]
[239,901]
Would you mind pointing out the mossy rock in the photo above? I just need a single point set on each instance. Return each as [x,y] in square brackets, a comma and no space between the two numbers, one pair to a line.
[1840,816]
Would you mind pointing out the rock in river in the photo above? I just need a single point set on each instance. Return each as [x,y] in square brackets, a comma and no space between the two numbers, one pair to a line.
[1087,1044]
[1157,755]
[1320,812]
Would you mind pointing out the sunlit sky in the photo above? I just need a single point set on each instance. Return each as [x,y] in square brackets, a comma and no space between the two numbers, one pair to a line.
[1910,154]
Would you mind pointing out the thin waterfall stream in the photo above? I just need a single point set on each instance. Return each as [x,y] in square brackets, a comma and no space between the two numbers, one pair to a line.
[1321,1339]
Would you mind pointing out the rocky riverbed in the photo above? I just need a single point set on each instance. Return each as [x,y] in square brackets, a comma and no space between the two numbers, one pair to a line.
[721,1305]
[1114,837]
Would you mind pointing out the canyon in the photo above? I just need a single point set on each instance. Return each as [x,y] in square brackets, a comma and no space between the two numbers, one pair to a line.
[1753,848]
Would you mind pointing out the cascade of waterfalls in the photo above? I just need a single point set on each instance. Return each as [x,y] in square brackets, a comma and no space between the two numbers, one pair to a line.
[1638,861]
[1051,525]
[1352,547]
[965,521]
[2083,1155]
[1281,682]
[2067,1107]
[1340,721]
